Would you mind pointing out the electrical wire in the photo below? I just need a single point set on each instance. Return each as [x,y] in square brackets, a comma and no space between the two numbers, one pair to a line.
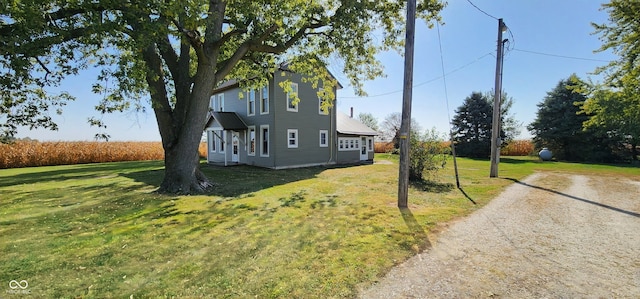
[446,97]
[425,82]
[482,11]
[560,56]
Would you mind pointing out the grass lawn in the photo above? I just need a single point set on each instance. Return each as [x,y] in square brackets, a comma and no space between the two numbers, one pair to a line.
[99,230]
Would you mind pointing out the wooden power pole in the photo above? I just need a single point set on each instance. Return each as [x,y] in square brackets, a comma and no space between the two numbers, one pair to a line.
[495,126]
[405,127]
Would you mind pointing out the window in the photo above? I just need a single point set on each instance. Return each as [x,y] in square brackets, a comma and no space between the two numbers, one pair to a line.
[220,103]
[324,138]
[212,141]
[252,141]
[264,134]
[323,105]
[370,144]
[251,103]
[349,144]
[264,100]
[292,97]
[222,135]
[292,138]
[212,102]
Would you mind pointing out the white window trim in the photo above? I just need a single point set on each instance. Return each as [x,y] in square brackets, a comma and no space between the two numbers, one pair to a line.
[295,108]
[212,102]
[320,111]
[255,143]
[262,154]
[326,138]
[349,144]
[212,142]
[220,103]
[295,138]
[221,146]
[264,109]
[249,94]
[370,144]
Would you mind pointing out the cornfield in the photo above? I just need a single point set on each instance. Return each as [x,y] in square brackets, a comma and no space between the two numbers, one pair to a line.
[33,153]
[514,148]
[518,148]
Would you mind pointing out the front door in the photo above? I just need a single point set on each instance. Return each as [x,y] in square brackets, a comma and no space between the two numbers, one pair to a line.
[235,146]
[363,149]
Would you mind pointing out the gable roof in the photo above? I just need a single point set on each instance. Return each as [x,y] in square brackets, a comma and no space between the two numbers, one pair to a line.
[227,120]
[352,126]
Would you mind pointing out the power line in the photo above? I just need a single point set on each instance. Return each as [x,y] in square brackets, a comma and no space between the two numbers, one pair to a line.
[561,56]
[482,11]
[425,82]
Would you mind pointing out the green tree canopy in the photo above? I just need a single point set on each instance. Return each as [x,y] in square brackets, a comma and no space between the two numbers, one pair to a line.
[472,127]
[174,53]
[559,125]
[622,36]
[509,124]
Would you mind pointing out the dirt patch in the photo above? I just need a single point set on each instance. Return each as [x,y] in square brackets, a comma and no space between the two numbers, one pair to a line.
[548,236]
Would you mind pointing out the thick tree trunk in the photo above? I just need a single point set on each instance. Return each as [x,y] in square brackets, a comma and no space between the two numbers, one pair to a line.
[182,174]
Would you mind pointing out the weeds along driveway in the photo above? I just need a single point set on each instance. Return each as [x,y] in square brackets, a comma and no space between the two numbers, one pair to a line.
[549,236]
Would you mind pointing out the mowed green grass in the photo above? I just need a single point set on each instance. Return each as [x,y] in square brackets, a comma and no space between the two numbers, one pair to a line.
[99,230]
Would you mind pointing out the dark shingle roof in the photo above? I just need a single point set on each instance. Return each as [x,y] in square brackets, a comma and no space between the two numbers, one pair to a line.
[227,120]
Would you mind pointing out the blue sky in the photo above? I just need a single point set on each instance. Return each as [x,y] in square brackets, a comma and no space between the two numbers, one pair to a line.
[468,40]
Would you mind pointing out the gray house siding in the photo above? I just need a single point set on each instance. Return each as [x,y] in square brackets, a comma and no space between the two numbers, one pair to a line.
[306,124]
[307,121]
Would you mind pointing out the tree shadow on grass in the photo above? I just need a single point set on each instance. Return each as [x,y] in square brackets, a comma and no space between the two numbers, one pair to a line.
[79,171]
[237,180]
[432,186]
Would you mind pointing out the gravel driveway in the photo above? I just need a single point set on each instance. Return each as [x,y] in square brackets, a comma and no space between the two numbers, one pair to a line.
[548,236]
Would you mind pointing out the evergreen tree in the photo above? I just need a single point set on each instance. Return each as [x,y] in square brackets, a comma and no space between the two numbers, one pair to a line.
[472,127]
[559,125]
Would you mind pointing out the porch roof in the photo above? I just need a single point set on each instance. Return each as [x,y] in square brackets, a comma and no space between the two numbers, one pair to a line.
[227,120]
[351,126]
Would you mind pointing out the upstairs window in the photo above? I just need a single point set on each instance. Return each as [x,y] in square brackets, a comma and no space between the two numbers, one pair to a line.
[323,105]
[292,97]
[220,103]
[264,100]
[251,102]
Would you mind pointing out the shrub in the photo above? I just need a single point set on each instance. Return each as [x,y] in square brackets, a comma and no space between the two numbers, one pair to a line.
[428,154]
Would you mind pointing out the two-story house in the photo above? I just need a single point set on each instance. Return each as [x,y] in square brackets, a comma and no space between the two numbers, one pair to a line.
[266,128]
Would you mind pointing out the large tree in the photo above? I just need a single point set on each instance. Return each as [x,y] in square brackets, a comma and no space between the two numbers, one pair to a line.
[391,128]
[472,127]
[615,114]
[369,120]
[174,53]
[616,105]
[509,124]
[559,125]
[622,36]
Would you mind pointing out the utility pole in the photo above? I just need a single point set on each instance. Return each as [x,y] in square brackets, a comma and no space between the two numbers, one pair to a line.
[495,126]
[405,127]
